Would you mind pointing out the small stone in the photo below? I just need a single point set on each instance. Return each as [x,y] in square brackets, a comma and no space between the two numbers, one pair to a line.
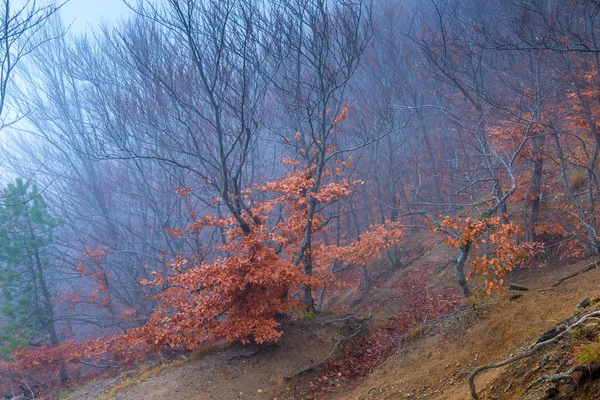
[515,286]
[514,296]
[595,299]
[584,303]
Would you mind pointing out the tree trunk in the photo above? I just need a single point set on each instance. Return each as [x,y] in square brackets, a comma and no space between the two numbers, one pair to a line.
[459,269]
[366,278]
[308,297]
[392,258]
[535,197]
[590,229]
[321,299]
[49,307]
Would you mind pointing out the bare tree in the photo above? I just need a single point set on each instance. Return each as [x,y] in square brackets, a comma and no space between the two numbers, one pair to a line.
[19,27]
[322,44]
[208,64]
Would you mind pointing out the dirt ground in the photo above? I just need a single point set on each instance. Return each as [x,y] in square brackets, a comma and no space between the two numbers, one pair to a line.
[433,363]
[238,372]
[436,366]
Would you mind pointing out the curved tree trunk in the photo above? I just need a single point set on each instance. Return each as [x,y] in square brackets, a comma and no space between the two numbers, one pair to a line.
[459,269]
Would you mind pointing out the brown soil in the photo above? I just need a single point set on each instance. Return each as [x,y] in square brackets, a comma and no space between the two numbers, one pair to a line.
[436,366]
[237,372]
[433,363]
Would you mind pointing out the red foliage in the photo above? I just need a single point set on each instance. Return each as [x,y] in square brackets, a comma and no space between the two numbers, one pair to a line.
[363,355]
[506,250]
[240,295]
[371,243]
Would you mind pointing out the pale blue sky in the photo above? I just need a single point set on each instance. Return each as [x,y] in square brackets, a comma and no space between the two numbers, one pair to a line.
[84,13]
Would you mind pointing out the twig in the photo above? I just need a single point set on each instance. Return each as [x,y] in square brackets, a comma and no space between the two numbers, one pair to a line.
[590,267]
[530,351]
[28,389]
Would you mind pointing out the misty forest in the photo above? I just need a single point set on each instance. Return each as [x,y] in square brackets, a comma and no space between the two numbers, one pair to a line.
[206,178]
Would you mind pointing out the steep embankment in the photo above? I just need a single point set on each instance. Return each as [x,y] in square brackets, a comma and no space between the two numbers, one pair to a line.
[436,366]
[432,361]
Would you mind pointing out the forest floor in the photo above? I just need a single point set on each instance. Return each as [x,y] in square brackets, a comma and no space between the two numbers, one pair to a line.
[429,361]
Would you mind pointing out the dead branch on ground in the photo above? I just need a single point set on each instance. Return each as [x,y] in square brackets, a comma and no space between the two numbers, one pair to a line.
[589,267]
[528,352]
[346,318]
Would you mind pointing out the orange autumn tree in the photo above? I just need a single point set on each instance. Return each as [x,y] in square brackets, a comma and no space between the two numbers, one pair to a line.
[502,242]
[242,293]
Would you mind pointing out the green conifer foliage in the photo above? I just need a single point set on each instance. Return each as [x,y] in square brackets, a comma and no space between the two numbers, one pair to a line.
[27,232]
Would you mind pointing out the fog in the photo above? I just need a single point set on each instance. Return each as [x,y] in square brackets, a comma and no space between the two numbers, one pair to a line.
[134,126]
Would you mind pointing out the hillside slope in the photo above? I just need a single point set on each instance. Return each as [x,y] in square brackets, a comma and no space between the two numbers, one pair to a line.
[436,366]
[431,362]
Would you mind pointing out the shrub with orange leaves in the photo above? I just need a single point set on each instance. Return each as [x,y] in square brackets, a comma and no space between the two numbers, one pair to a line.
[504,248]
[235,297]
[242,294]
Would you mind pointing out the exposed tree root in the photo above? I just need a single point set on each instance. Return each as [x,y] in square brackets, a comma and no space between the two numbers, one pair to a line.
[584,369]
[346,318]
[337,345]
[553,378]
[528,352]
